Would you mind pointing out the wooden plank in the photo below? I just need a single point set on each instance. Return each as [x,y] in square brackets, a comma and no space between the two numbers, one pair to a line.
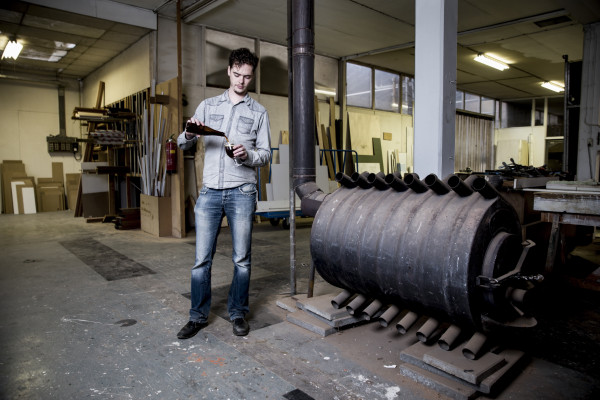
[285,137]
[571,219]
[10,170]
[328,158]
[57,172]
[318,125]
[332,135]
[574,203]
[541,181]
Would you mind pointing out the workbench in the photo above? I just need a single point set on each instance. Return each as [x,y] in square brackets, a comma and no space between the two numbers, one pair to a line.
[568,203]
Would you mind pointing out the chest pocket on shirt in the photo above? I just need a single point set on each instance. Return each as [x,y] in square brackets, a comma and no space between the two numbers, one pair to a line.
[215,121]
[244,125]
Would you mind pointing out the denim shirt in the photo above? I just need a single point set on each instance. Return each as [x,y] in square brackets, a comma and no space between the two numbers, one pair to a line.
[247,123]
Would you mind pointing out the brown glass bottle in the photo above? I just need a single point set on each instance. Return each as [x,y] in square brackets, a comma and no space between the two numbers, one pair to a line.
[203,130]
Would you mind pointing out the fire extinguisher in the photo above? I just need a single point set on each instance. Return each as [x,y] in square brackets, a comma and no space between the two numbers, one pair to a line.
[171,149]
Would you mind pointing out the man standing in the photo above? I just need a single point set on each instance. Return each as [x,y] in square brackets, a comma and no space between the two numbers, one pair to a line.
[229,189]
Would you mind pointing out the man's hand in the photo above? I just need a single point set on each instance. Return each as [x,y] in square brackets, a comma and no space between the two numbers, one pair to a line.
[188,135]
[239,151]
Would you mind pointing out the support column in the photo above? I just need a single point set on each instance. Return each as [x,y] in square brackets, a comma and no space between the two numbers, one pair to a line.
[588,145]
[435,86]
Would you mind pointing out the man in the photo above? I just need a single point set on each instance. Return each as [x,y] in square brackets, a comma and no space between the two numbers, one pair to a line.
[229,189]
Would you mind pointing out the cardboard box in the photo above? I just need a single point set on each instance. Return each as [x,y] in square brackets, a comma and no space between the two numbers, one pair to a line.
[155,215]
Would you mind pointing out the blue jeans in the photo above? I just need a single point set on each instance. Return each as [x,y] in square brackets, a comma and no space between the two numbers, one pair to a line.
[238,204]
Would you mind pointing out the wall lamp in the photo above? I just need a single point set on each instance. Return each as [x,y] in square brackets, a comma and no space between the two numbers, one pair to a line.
[12,49]
[491,62]
[554,86]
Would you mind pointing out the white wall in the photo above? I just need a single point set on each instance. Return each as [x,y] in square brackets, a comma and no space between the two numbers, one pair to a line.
[535,137]
[28,114]
[126,74]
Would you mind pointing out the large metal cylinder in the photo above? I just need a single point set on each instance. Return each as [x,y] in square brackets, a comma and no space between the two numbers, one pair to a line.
[418,248]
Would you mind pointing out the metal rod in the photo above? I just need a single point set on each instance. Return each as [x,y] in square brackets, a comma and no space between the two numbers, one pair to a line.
[459,186]
[361,180]
[427,329]
[481,185]
[292,205]
[311,281]
[371,309]
[389,314]
[395,181]
[378,181]
[406,322]
[413,182]
[473,347]
[345,180]
[356,304]
[449,337]
[435,184]
[340,299]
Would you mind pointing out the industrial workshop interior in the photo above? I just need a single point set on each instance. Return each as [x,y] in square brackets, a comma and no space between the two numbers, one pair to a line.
[426,222]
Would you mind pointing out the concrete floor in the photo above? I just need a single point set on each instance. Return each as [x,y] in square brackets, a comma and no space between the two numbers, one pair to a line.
[89,311]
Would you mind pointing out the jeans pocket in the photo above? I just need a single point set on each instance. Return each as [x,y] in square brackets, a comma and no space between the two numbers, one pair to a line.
[203,191]
[248,189]
[244,125]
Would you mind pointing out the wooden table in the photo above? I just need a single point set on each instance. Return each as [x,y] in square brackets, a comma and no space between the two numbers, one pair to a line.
[574,206]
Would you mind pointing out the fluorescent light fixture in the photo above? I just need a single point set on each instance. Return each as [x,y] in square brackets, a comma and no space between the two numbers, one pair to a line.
[325,92]
[554,86]
[12,50]
[491,62]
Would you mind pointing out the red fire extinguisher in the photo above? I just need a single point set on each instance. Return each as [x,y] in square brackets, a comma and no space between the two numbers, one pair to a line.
[171,149]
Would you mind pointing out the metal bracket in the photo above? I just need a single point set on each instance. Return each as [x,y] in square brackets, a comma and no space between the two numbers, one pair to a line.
[494,283]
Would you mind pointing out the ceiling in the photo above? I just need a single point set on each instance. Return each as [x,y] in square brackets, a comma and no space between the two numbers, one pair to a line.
[532,35]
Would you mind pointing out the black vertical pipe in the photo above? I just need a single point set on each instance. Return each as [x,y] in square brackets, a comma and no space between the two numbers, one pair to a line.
[303,58]
[292,218]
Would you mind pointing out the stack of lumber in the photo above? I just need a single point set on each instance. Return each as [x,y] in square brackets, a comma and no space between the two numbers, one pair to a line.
[128,218]
[18,189]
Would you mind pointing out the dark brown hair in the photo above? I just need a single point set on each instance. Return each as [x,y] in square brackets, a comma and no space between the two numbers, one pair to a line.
[243,56]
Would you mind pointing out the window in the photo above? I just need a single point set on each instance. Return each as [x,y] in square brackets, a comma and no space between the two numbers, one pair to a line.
[516,113]
[555,116]
[539,112]
[472,103]
[487,106]
[387,91]
[460,100]
[358,85]
[408,94]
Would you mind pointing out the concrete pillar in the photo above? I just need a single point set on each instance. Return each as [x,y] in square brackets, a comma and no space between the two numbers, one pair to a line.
[588,145]
[435,86]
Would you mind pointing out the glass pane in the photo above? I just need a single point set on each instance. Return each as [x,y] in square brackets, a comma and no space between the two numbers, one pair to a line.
[387,91]
[539,112]
[273,69]
[487,106]
[472,102]
[498,115]
[556,113]
[516,113]
[218,48]
[554,154]
[460,103]
[358,85]
[408,95]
